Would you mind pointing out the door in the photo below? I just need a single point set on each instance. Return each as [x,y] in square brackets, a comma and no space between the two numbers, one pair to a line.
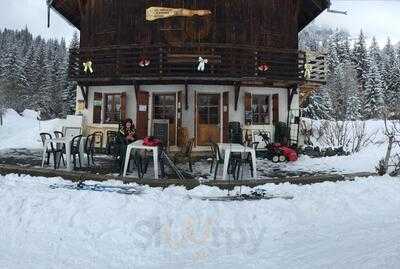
[164,108]
[208,119]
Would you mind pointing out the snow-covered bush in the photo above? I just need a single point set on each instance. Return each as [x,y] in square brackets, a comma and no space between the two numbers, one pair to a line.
[391,162]
[352,136]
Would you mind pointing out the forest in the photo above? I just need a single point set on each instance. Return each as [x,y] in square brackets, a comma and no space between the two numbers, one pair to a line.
[363,79]
[33,74]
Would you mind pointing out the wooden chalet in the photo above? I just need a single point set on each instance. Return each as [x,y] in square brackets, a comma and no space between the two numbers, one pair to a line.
[198,64]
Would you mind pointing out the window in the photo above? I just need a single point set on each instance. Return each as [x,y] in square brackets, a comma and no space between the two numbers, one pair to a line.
[113,112]
[260,108]
[165,107]
[208,106]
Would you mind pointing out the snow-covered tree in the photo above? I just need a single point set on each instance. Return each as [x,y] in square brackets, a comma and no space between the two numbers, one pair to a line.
[390,75]
[69,94]
[373,94]
[360,59]
[319,105]
[375,52]
[32,71]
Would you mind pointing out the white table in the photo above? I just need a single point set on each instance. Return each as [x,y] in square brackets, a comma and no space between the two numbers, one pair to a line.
[67,142]
[138,145]
[238,148]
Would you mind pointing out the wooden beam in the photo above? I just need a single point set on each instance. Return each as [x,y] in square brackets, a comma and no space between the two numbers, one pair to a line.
[186,96]
[187,183]
[85,94]
[291,92]
[137,88]
[237,92]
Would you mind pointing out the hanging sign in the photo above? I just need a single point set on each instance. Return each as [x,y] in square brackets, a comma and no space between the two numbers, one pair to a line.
[156,13]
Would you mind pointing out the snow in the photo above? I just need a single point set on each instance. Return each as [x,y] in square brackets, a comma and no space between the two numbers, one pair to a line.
[23,131]
[327,225]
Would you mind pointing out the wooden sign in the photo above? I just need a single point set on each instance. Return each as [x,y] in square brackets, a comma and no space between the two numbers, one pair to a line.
[156,13]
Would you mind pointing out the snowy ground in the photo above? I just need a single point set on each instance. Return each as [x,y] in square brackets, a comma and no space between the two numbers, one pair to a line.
[327,225]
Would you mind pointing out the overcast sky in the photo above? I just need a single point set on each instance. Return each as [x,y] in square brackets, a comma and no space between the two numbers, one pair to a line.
[378,18]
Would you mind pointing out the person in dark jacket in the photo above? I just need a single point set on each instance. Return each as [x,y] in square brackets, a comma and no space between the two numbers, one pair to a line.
[126,135]
[127,131]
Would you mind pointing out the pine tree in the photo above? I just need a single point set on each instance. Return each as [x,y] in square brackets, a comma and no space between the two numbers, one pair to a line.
[375,52]
[389,75]
[360,59]
[373,95]
[69,95]
[320,105]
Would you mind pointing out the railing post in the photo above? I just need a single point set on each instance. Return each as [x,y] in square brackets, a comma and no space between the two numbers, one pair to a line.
[255,63]
[117,67]
[161,60]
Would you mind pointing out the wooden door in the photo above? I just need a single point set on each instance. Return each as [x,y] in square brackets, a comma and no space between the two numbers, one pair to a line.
[164,108]
[208,119]
[142,119]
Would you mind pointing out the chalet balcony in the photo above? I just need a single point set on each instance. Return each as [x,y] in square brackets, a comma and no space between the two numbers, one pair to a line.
[168,62]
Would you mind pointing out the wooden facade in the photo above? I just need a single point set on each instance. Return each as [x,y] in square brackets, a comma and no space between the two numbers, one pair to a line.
[239,62]
[238,39]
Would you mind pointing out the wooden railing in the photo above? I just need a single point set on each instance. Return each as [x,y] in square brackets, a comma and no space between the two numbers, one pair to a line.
[181,62]
[315,67]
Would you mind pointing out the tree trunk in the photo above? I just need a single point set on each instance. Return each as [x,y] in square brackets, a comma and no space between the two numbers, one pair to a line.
[388,154]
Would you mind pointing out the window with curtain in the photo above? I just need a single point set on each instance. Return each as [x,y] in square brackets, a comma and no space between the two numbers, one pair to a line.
[113,108]
[260,107]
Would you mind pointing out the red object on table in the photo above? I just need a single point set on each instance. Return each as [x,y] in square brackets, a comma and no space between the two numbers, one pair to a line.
[151,141]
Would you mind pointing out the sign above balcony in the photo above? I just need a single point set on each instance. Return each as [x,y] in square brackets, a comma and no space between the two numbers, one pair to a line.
[156,13]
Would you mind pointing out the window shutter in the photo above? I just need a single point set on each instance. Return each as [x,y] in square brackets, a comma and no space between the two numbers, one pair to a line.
[142,114]
[123,106]
[247,109]
[275,109]
[97,104]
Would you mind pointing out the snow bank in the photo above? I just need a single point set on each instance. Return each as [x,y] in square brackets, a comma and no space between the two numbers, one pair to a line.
[30,114]
[23,131]
[327,225]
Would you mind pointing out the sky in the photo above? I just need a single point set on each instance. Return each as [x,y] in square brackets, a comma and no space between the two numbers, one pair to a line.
[379,18]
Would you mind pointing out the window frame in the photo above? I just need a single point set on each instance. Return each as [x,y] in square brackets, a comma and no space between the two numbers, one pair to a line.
[113,106]
[164,107]
[269,96]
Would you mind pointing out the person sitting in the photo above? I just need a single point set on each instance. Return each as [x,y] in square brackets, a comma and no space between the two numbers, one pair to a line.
[127,131]
[126,135]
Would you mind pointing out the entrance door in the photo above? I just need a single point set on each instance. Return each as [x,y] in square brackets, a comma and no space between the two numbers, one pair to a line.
[164,108]
[208,119]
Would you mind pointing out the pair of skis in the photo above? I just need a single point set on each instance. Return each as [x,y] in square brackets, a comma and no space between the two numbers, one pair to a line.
[256,195]
[81,186]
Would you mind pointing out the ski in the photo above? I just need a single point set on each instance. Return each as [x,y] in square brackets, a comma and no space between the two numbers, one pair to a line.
[256,195]
[129,190]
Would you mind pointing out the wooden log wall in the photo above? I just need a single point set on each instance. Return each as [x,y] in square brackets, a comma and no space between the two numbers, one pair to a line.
[267,23]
